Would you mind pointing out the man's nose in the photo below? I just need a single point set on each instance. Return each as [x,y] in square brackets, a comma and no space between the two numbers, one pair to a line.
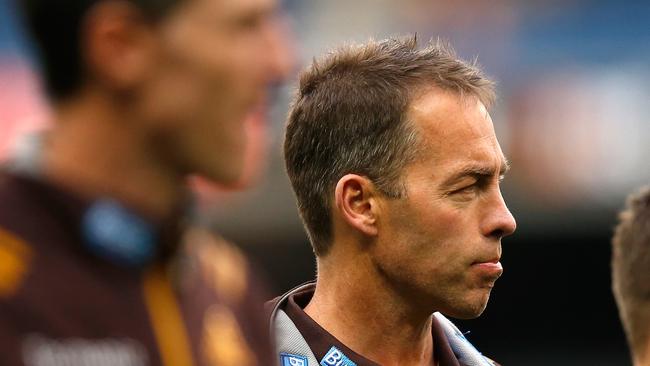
[280,54]
[499,221]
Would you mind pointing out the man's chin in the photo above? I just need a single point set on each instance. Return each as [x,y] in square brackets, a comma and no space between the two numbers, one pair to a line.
[224,174]
[226,178]
[464,314]
[469,309]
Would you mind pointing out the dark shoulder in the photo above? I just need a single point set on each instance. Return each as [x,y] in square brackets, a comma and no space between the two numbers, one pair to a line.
[27,225]
[13,195]
[17,213]
[20,203]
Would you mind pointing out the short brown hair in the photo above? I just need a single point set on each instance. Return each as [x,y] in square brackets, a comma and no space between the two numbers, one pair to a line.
[349,117]
[631,270]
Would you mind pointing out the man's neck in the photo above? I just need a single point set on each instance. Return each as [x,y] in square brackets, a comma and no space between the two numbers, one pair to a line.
[96,148]
[352,304]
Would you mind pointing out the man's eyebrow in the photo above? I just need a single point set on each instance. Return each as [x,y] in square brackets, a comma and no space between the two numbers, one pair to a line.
[478,171]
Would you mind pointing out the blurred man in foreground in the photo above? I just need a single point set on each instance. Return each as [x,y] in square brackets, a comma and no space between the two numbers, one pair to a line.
[396,168]
[100,262]
[631,274]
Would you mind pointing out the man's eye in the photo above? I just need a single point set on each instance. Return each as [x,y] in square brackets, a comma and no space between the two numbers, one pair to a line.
[476,187]
[250,22]
[467,189]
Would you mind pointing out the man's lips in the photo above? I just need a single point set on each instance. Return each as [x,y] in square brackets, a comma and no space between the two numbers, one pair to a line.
[490,268]
[493,260]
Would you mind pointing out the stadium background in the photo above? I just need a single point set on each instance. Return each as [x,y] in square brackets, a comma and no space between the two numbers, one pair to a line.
[572,116]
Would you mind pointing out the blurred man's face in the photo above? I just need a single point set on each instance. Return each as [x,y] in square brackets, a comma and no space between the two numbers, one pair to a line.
[440,245]
[214,62]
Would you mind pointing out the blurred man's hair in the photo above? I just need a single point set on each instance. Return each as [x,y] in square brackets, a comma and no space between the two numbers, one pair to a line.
[349,117]
[631,270]
[56,28]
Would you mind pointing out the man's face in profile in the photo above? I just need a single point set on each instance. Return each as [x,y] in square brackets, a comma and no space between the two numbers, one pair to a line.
[440,245]
[214,62]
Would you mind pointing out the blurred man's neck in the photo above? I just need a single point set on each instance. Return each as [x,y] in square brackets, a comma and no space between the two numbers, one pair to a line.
[353,304]
[96,149]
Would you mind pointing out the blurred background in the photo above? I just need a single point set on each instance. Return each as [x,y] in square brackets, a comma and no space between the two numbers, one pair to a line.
[572,116]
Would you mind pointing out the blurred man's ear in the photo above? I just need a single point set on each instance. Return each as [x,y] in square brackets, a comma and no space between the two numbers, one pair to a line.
[117,44]
[355,200]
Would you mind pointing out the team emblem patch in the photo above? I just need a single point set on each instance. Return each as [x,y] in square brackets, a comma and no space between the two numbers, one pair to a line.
[287,359]
[334,357]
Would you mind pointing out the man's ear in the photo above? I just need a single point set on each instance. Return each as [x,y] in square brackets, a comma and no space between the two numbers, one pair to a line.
[355,198]
[117,44]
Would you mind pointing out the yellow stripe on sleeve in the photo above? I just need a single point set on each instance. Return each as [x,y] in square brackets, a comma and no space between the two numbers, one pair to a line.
[15,258]
[166,319]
